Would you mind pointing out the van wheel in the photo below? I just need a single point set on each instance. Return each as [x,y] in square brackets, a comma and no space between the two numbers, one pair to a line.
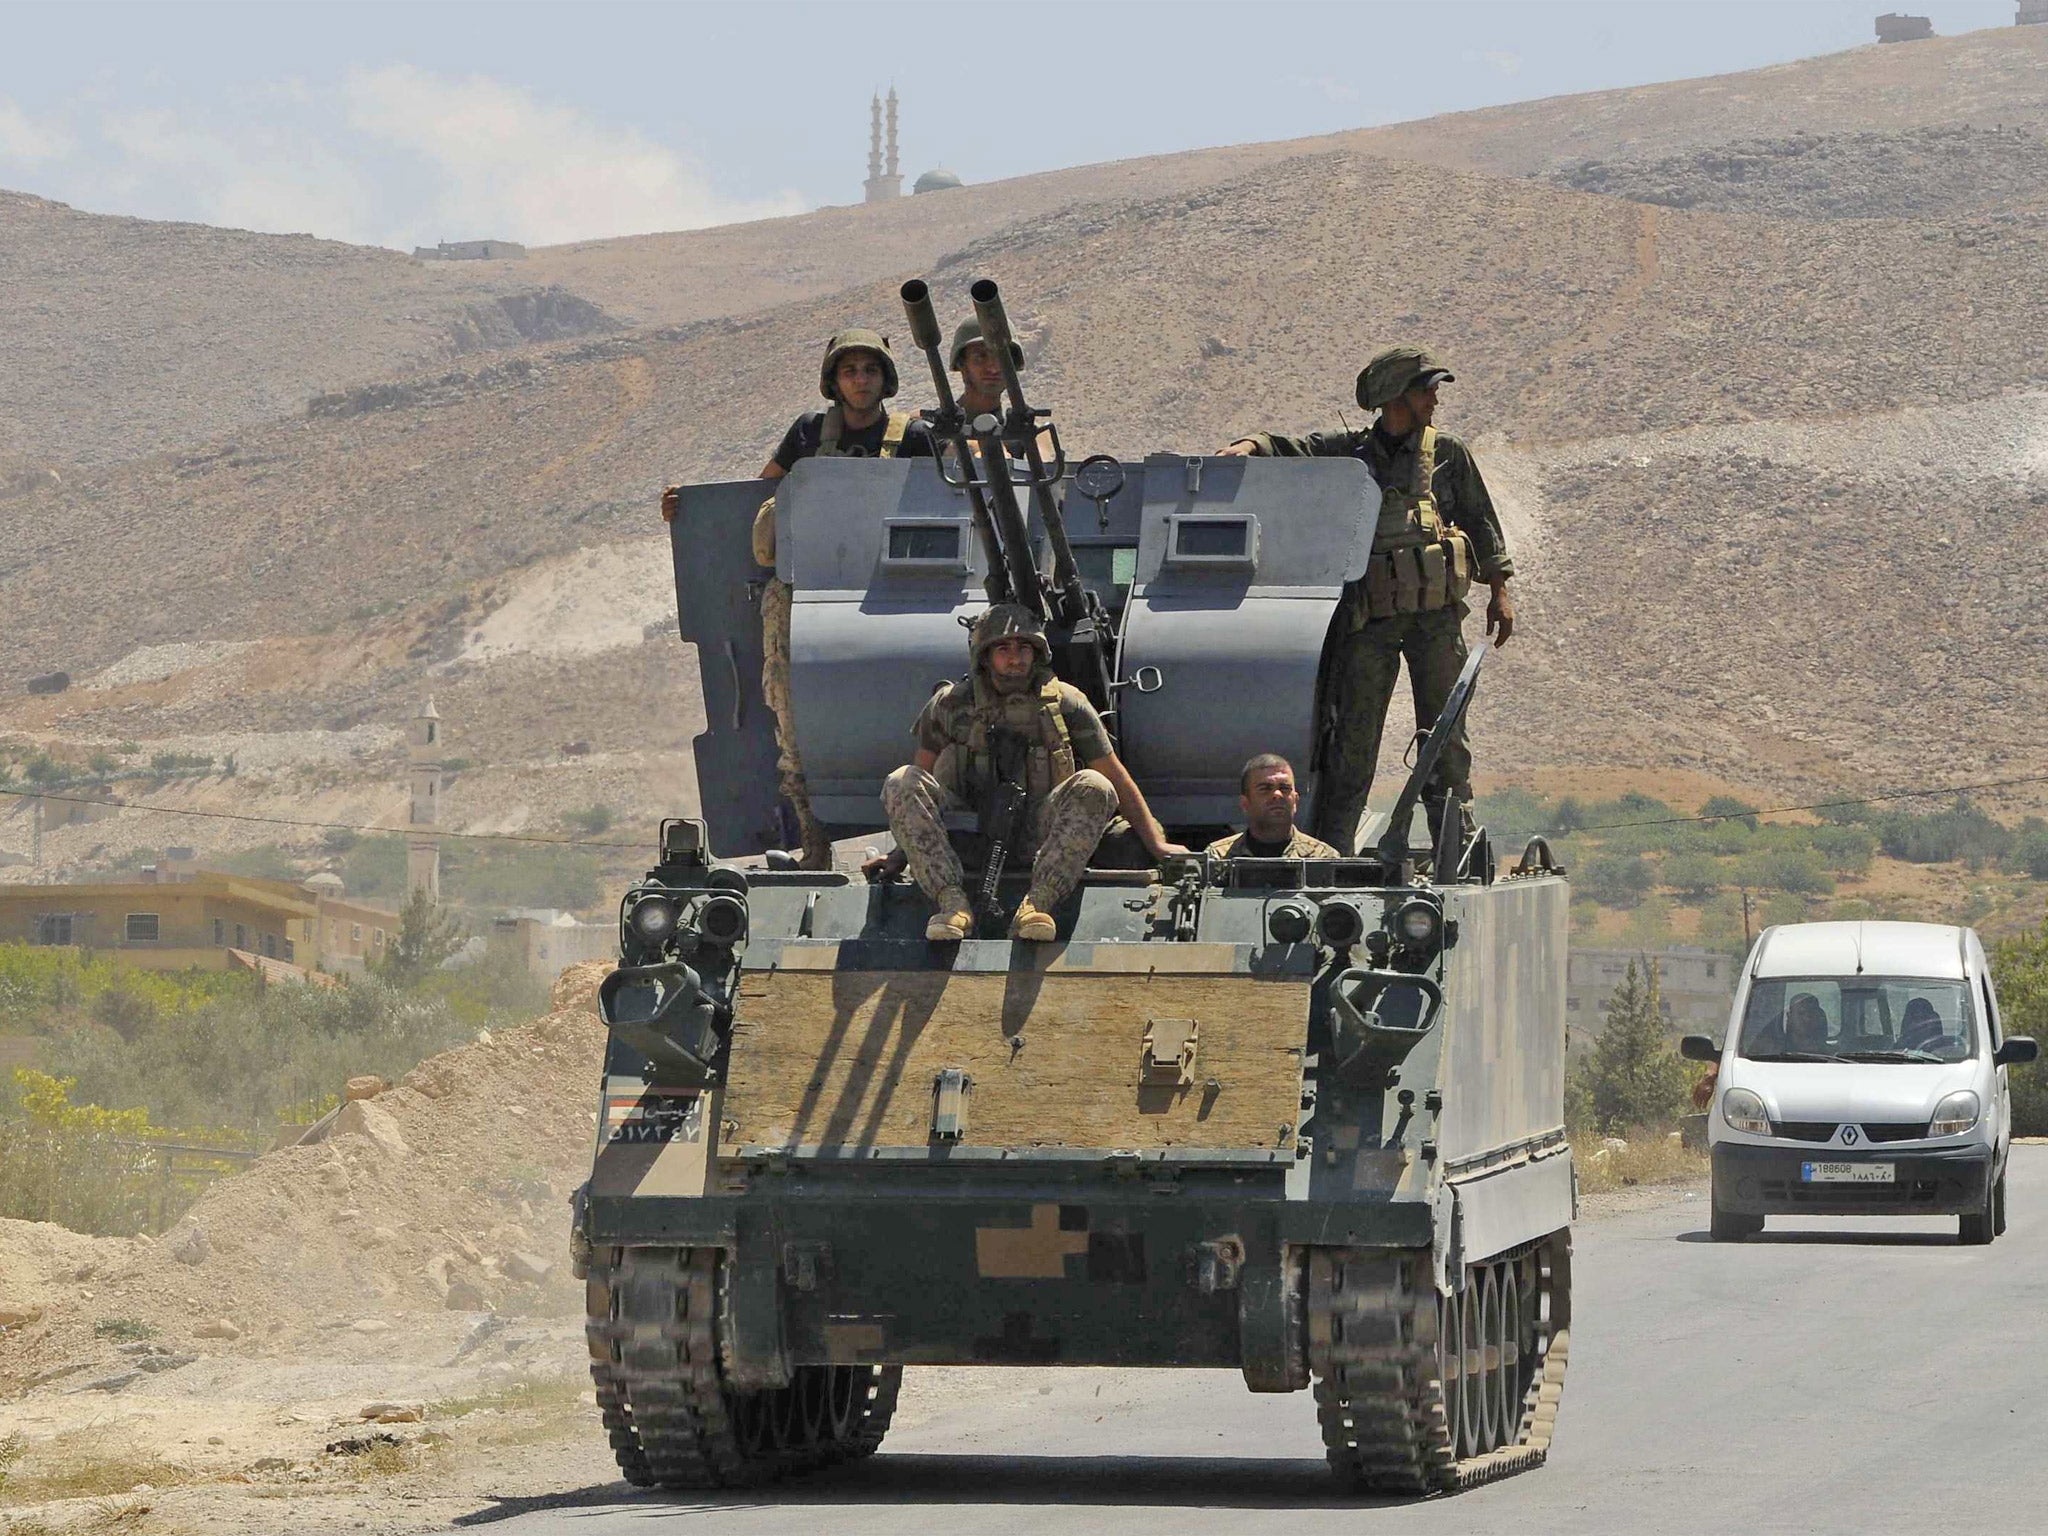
[1732,1226]
[1979,1227]
[1998,1207]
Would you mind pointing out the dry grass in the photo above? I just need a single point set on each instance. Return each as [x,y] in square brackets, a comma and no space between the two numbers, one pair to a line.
[1650,1156]
[84,1464]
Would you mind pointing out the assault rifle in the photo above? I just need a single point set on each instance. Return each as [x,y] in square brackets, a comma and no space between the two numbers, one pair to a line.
[993,457]
[1002,827]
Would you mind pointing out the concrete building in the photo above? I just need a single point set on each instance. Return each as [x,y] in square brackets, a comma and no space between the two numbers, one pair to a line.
[179,918]
[547,943]
[1897,27]
[2032,13]
[882,186]
[1697,986]
[470,250]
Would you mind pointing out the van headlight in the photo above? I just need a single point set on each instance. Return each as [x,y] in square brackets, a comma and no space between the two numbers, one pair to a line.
[1744,1112]
[1955,1114]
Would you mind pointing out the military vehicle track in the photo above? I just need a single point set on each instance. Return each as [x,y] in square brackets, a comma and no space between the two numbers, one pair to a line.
[652,1322]
[1419,1392]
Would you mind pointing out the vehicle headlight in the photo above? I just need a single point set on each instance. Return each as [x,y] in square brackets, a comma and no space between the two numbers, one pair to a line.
[1419,922]
[1955,1114]
[654,919]
[1744,1112]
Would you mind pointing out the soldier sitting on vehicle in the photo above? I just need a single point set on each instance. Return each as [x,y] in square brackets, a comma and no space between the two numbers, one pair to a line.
[1267,794]
[1011,723]
[858,374]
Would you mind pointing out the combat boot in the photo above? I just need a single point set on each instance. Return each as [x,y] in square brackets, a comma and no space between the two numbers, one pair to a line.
[953,920]
[1033,923]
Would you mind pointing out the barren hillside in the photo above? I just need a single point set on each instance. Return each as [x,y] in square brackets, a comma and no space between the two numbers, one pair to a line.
[482,528]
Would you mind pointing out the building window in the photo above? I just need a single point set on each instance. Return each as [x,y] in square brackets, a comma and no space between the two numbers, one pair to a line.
[355,933]
[380,938]
[53,928]
[241,935]
[433,732]
[270,945]
[290,950]
[220,931]
[143,928]
[1710,969]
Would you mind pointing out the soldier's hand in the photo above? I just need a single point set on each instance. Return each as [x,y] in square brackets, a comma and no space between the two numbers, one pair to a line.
[1500,614]
[671,497]
[1243,448]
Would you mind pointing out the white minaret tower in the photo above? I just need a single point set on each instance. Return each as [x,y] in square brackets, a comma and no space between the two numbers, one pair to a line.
[882,185]
[423,841]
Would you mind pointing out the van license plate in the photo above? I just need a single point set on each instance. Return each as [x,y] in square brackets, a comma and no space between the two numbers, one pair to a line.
[1848,1173]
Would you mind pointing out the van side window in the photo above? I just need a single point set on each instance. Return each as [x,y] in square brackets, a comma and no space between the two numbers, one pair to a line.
[1990,1013]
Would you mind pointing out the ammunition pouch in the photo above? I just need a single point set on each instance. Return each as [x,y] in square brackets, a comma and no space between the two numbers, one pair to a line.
[764,535]
[1419,562]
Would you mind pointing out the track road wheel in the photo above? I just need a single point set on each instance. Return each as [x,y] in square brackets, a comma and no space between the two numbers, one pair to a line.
[652,1325]
[1422,1392]
[1727,1226]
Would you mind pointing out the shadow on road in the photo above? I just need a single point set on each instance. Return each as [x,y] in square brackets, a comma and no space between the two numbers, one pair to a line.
[1838,1239]
[1191,1482]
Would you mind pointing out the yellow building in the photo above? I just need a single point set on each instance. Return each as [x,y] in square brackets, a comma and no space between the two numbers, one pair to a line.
[202,919]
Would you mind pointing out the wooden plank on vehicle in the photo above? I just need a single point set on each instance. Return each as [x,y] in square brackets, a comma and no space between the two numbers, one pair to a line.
[847,1060]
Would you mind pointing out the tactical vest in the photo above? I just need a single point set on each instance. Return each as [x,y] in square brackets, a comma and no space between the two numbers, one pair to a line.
[828,448]
[1419,561]
[971,721]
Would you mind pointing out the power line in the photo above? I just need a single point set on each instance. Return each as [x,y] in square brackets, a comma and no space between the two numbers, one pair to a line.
[312,826]
[1822,805]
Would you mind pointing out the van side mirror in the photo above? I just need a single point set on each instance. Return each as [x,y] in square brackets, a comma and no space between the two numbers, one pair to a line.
[1699,1048]
[2017,1051]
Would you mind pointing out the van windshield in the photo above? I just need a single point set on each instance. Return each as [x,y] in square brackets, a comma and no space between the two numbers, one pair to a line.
[1857,1018]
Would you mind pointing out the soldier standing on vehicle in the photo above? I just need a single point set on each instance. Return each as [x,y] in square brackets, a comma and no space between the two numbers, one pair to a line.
[1267,794]
[1011,722]
[858,374]
[1437,531]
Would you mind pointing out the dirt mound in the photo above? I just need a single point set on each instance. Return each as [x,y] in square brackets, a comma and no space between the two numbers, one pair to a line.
[40,1262]
[447,1194]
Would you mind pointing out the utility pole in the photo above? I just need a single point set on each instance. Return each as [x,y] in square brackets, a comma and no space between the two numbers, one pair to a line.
[1746,939]
[36,832]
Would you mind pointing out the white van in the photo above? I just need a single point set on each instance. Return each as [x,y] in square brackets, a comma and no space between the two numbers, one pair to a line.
[1863,1074]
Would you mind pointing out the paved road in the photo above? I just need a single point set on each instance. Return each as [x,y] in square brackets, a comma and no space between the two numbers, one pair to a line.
[1850,1376]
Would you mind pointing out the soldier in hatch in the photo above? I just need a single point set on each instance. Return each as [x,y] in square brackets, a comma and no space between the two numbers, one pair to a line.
[1437,532]
[857,376]
[1266,792]
[1011,721]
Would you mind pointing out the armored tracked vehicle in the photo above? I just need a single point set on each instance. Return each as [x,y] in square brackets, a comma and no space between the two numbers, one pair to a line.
[1300,1119]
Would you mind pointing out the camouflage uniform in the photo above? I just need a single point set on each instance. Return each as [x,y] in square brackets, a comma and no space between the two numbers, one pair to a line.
[1061,831]
[1299,846]
[1039,737]
[1366,650]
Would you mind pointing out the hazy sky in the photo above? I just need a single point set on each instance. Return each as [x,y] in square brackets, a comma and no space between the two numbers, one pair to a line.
[407,123]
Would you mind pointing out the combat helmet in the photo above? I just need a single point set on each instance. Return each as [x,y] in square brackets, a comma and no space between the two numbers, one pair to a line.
[857,340]
[967,335]
[1004,621]
[1392,373]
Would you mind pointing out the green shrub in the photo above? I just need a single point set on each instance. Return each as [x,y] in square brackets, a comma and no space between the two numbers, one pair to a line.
[1694,875]
[1728,808]
[1800,871]
[1615,880]
[1847,850]
[590,821]
[1961,832]
[2019,969]
[2029,852]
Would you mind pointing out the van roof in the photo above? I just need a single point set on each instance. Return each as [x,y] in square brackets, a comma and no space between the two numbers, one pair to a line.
[1844,949]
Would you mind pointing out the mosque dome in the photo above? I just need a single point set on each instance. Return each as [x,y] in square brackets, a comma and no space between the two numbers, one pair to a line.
[936,180]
